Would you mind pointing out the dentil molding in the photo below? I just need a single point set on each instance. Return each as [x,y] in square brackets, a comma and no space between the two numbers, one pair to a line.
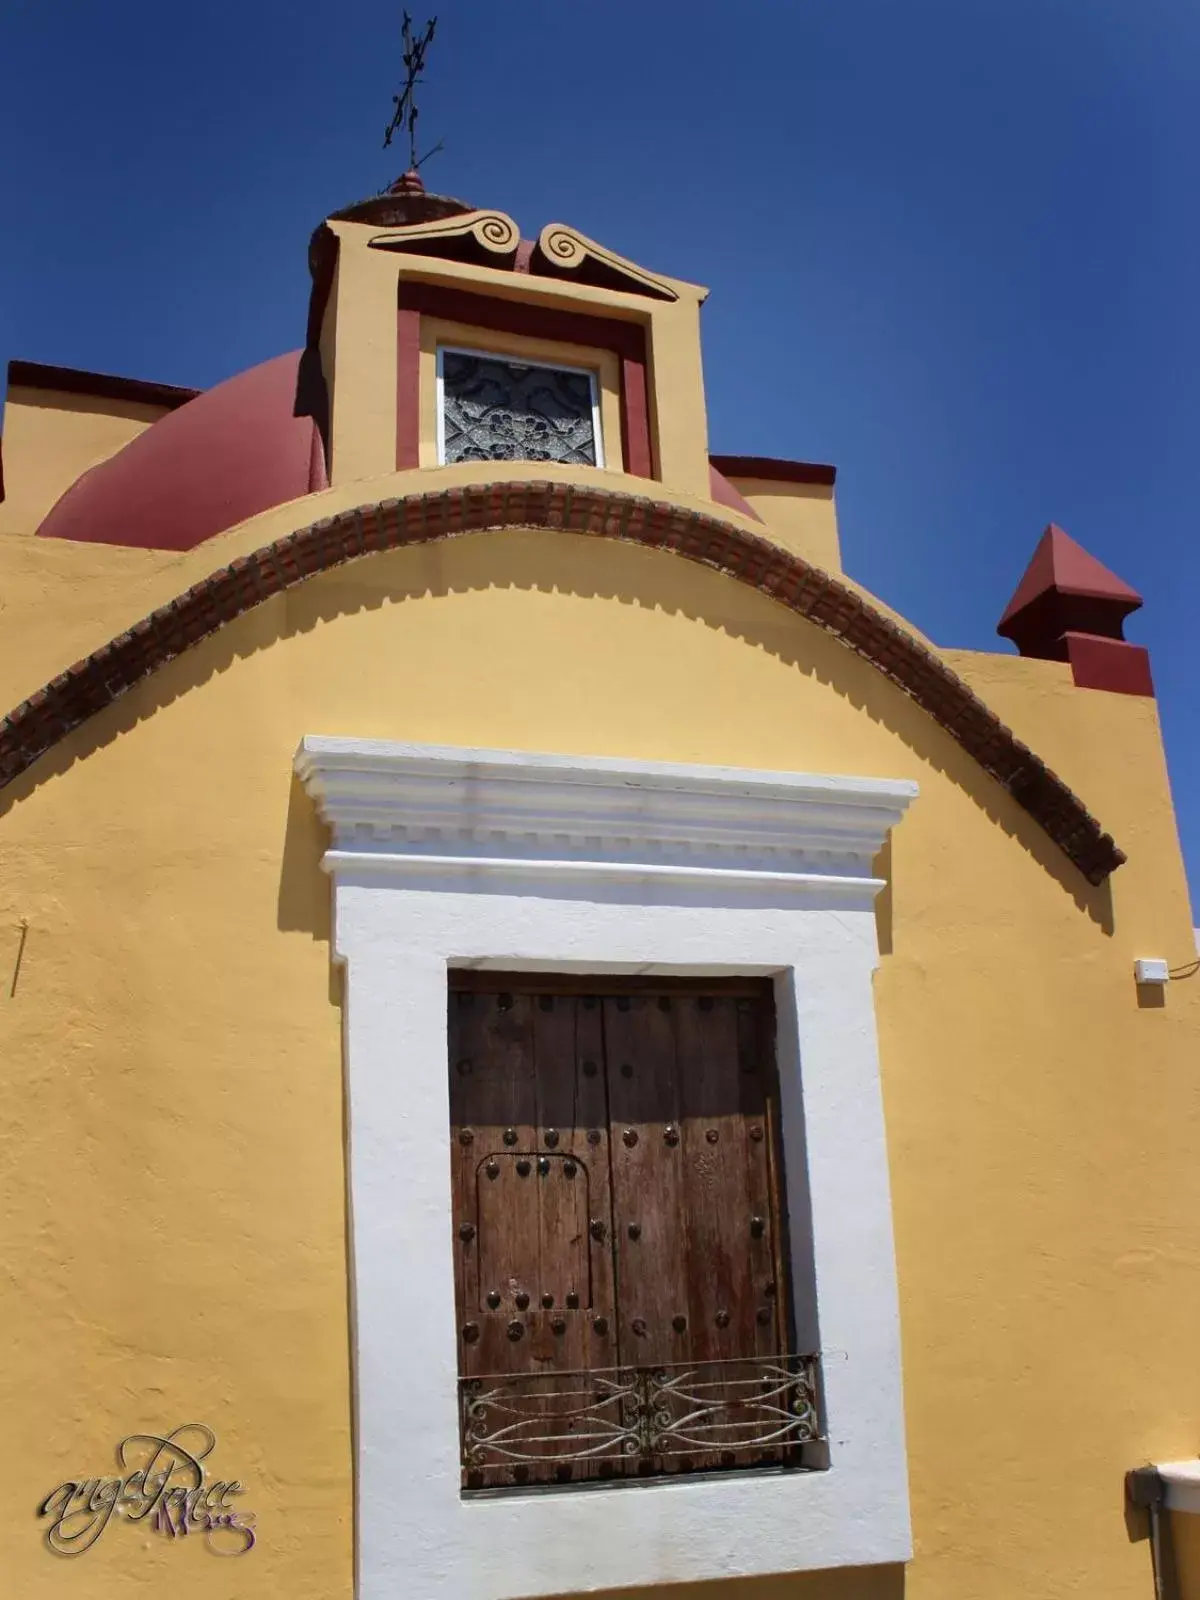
[417,810]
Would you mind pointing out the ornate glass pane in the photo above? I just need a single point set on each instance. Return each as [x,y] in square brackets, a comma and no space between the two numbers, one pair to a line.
[499,410]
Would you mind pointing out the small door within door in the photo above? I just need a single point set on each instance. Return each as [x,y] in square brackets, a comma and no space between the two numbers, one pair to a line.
[619,1239]
[532,1203]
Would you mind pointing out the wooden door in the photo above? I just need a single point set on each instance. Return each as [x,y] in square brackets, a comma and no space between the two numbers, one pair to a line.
[617,1229]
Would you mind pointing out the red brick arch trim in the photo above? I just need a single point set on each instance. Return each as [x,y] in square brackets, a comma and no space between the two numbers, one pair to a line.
[86,688]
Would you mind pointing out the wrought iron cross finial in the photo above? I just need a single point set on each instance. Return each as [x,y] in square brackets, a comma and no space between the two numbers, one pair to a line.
[405,103]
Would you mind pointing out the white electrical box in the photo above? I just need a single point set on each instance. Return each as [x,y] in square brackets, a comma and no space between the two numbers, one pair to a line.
[1151,971]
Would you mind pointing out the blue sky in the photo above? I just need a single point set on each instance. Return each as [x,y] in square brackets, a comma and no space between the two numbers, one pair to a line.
[954,245]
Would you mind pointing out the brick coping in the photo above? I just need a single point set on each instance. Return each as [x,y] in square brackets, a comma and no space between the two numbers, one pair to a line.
[77,694]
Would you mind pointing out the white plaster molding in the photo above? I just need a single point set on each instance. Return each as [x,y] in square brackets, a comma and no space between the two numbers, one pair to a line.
[1182,1481]
[445,858]
[426,809]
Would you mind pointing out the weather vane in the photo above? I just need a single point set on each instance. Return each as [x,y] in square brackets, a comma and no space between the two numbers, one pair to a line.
[405,103]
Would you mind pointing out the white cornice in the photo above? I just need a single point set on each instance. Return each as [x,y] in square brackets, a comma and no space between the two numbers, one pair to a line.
[427,811]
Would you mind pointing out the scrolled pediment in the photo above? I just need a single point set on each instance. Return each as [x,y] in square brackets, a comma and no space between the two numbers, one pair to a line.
[488,238]
[564,251]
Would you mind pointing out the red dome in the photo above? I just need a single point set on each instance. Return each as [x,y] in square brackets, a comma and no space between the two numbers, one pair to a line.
[228,454]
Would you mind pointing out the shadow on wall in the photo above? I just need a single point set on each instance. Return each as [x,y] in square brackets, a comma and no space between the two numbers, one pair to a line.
[305,901]
[840,1583]
[653,580]
[882,868]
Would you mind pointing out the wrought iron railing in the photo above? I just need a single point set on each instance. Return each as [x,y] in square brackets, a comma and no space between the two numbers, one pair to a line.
[637,1421]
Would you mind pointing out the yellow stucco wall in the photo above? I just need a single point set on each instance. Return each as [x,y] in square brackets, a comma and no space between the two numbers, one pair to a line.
[171,1107]
[801,516]
[51,438]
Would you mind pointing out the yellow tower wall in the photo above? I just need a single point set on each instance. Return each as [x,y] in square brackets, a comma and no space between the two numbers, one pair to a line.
[801,516]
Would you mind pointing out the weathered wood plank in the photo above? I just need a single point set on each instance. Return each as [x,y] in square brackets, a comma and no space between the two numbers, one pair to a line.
[648,1179]
[494,1095]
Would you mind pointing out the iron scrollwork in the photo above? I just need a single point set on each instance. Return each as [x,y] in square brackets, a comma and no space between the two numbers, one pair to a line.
[658,1419]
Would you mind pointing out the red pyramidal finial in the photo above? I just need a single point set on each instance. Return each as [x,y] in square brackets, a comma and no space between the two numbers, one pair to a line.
[1070,607]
